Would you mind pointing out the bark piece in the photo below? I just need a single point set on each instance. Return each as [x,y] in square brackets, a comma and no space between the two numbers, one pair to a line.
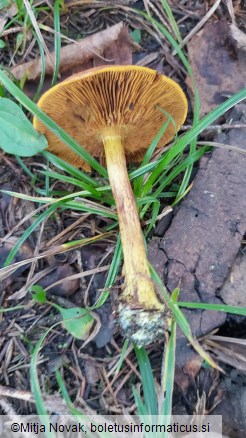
[204,238]
[219,66]
[233,291]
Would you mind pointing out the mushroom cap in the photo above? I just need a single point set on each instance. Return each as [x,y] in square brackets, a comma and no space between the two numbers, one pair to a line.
[126,98]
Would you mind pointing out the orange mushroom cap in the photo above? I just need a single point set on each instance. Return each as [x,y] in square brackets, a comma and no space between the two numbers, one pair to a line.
[128,98]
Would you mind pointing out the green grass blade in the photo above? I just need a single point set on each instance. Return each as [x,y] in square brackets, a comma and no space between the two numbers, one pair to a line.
[207,121]
[42,75]
[142,170]
[190,159]
[10,309]
[35,387]
[57,41]
[31,175]
[154,214]
[193,133]
[113,271]
[71,170]
[74,411]
[68,179]
[80,416]
[138,182]
[168,372]
[168,36]
[150,397]
[122,356]
[81,204]
[217,307]
[171,20]
[164,179]
[116,261]
[141,407]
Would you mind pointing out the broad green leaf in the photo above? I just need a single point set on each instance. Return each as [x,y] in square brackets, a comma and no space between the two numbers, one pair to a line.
[77,321]
[18,136]
[2,44]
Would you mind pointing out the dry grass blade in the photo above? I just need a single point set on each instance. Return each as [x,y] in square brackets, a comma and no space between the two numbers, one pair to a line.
[59,237]
[231,351]
[148,59]
[8,270]
[51,401]
[80,275]
[22,221]
[198,26]
[35,279]
[222,146]
[76,54]
[37,30]
[162,19]
[230,8]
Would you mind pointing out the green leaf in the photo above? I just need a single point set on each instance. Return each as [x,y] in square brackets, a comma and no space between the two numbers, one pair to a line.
[2,44]
[38,293]
[136,35]
[4,4]
[18,136]
[77,321]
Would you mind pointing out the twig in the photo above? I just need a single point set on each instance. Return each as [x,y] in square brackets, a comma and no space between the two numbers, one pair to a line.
[217,127]
[222,146]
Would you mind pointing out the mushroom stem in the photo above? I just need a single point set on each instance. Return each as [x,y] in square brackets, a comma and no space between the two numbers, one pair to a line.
[139,292]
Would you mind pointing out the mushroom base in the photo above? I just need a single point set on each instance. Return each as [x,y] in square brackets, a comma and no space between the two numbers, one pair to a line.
[143,326]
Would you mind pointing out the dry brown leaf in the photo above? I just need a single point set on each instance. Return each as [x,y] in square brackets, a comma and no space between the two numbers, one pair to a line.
[219,67]
[7,13]
[111,45]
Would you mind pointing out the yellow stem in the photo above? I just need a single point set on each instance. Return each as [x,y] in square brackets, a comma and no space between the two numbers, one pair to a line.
[139,291]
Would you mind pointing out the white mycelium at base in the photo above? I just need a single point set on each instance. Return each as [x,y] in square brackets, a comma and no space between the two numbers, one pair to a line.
[142,327]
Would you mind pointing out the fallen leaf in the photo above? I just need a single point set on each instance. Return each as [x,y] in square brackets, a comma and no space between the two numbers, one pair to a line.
[92,374]
[112,45]
[219,67]
[77,321]
[67,287]
[7,10]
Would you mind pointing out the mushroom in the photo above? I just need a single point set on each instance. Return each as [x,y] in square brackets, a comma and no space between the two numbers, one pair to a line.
[114,112]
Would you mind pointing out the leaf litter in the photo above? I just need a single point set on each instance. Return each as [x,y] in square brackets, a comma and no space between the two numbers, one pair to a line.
[110,46]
